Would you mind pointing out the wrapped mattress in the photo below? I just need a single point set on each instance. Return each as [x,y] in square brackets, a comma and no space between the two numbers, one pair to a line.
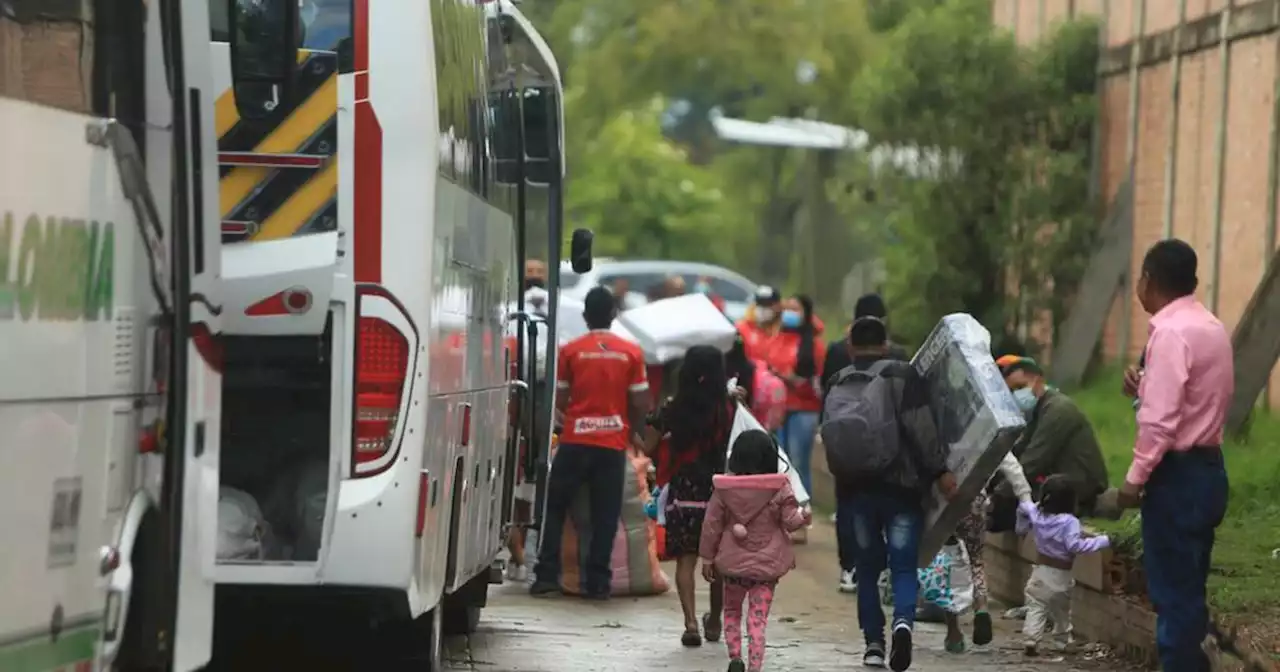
[976,417]
[635,551]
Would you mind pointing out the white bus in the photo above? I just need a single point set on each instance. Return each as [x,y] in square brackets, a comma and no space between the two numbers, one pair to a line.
[108,307]
[377,209]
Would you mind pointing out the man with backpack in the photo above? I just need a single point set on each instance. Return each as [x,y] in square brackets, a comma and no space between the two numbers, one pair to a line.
[885,454]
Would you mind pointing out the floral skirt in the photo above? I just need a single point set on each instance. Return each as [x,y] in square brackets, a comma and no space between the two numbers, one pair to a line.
[687,499]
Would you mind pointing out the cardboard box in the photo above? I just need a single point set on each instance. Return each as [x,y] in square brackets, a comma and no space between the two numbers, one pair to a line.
[976,417]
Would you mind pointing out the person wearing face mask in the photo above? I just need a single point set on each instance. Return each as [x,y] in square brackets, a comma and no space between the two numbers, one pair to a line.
[762,323]
[797,357]
[1058,438]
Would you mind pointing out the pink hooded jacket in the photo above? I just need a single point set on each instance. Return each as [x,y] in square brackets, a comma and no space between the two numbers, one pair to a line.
[746,531]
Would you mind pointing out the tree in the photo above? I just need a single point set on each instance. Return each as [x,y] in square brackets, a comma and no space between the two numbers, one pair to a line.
[641,196]
[998,230]
[741,57]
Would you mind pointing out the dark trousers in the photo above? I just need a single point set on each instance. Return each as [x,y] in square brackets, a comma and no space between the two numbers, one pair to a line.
[885,530]
[601,471]
[1184,502]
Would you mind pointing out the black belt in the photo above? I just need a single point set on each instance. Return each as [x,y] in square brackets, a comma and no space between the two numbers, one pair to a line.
[1205,449]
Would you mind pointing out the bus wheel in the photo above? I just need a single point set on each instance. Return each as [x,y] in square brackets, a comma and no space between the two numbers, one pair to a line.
[462,608]
[138,652]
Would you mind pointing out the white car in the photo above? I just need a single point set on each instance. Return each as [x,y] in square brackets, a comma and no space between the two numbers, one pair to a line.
[641,276]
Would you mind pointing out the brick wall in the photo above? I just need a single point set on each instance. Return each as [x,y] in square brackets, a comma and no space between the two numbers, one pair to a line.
[45,62]
[1238,247]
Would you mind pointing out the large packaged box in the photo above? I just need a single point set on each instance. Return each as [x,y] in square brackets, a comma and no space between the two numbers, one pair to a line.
[976,417]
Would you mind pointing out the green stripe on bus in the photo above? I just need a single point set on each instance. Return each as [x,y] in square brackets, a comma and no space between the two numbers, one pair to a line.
[43,655]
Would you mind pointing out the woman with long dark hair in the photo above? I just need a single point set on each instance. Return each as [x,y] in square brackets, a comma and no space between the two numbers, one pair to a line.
[696,422]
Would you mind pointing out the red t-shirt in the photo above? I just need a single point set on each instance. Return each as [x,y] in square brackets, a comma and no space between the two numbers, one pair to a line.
[599,371]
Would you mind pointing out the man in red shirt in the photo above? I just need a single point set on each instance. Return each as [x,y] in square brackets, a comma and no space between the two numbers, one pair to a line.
[603,394]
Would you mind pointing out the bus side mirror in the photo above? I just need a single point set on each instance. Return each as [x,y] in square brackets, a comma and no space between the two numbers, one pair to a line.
[264,53]
[580,250]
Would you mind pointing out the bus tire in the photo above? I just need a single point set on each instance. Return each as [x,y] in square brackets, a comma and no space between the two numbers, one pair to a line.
[462,608]
[137,650]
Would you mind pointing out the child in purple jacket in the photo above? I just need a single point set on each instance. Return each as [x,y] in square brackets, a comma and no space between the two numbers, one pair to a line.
[746,541]
[1059,540]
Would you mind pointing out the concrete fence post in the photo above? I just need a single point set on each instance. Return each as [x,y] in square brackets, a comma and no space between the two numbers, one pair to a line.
[1273,175]
[1131,151]
[1171,148]
[1220,156]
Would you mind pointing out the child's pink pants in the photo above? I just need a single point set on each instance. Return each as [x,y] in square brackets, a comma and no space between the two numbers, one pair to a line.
[759,597]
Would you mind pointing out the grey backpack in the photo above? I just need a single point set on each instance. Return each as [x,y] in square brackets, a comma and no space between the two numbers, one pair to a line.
[861,431]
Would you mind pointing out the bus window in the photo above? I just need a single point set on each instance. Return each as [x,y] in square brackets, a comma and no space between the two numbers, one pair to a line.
[325,23]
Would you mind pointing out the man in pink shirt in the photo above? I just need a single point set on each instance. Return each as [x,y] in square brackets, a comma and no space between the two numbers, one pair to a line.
[1177,473]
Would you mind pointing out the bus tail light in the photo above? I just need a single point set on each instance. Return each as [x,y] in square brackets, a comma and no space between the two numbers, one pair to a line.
[381,370]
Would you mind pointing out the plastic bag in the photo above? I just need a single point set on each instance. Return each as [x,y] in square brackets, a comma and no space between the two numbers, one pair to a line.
[769,398]
[241,526]
[948,581]
[743,421]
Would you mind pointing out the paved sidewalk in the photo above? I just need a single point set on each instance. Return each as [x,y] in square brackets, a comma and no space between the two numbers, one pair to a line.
[812,628]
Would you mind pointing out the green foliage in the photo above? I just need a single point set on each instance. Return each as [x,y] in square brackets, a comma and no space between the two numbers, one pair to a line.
[642,197]
[1011,211]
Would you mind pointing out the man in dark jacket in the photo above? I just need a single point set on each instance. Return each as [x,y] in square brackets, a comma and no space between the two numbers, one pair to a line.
[838,355]
[1058,438]
[883,517]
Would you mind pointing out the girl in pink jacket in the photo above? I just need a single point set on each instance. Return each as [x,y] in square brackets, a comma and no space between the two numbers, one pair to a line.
[746,541]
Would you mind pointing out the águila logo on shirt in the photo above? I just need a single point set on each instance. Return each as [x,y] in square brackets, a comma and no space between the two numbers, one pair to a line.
[592,425]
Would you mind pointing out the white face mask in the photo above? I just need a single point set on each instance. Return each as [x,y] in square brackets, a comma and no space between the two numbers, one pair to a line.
[1026,399]
[764,315]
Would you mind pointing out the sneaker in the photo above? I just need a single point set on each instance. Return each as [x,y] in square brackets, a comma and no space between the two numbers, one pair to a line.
[518,573]
[874,655]
[736,665]
[544,589]
[848,581]
[900,654]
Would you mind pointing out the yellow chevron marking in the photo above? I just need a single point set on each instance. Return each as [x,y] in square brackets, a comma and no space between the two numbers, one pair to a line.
[305,202]
[287,138]
[225,113]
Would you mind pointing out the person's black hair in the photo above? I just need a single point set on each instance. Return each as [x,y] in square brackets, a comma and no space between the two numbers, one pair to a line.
[806,361]
[868,332]
[754,452]
[599,308]
[738,365]
[698,415]
[1057,495]
[1170,266]
[870,305]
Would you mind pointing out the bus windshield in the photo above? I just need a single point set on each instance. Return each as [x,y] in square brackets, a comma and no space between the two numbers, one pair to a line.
[325,23]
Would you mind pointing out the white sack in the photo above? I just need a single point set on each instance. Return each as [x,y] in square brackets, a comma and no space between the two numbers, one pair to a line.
[667,328]
[743,421]
[241,526]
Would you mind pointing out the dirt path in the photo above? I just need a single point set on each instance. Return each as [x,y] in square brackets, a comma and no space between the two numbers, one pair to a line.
[813,628]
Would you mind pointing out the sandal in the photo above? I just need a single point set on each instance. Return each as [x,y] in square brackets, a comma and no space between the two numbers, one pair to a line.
[691,638]
[981,628]
[954,647]
[712,634]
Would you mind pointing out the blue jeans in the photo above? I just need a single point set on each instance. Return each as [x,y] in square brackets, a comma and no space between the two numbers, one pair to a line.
[1185,501]
[885,530]
[796,438]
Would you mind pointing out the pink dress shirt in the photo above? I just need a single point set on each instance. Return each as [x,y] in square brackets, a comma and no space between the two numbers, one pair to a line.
[1186,385]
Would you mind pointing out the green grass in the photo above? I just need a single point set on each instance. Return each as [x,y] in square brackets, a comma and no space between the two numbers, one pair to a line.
[1245,580]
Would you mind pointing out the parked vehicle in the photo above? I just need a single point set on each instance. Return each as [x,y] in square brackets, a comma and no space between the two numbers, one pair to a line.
[108,311]
[643,275]
[375,214]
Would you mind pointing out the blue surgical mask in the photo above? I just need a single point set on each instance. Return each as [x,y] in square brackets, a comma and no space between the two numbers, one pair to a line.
[790,319]
[702,288]
[1026,399]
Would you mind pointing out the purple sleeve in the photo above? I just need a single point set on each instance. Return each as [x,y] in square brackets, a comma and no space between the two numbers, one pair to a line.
[1079,544]
[1028,514]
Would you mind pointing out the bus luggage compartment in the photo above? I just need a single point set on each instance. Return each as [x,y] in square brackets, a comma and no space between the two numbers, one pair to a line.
[277,440]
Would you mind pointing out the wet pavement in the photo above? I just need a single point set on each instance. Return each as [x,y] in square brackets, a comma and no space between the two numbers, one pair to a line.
[812,628]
